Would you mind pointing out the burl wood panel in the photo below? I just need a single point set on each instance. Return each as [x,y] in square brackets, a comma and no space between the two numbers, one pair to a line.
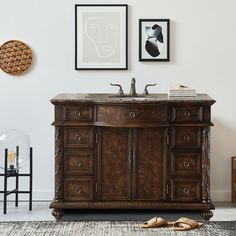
[78,113]
[187,113]
[148,165]
[80,163]
[78,189]
[186,190]
[137,113]
[114,173]
[79,137]
[186,137]
[185,163]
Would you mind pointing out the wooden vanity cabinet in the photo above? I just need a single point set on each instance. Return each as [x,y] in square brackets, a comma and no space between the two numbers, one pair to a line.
[132,154]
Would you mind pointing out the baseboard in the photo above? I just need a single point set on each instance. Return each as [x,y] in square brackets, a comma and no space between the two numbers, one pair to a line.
[221,196]
[43,195]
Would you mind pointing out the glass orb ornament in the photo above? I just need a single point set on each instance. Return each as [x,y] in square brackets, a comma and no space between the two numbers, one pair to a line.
[18,145]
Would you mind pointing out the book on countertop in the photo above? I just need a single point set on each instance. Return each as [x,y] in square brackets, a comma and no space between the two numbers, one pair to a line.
[181,91]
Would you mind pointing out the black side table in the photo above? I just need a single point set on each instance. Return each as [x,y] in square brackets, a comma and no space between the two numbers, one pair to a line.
[14,172]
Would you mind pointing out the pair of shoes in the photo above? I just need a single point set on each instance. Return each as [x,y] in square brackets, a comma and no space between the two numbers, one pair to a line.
[182,224]
[154,222]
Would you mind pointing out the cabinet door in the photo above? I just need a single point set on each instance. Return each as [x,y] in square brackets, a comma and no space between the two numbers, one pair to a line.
[149,164]
[113,171]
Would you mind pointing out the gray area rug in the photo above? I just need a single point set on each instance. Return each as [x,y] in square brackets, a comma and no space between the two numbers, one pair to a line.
[108,228]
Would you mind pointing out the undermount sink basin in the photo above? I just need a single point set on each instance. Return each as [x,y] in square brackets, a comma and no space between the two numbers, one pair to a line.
[140,96]
[116,97]
[135,98]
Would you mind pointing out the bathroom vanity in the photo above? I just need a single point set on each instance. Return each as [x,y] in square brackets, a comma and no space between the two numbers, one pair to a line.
[114,152]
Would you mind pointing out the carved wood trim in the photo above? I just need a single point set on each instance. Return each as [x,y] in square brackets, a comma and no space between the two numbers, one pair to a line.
[165,145]
[206,165]
[57,213]
[58,164]
[131,205]
[206,215]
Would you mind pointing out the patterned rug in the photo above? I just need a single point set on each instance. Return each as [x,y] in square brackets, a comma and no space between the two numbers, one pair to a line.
[108,228]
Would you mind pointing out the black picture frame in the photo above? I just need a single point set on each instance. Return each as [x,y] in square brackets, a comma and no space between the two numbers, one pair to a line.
[122,44]
[154,31]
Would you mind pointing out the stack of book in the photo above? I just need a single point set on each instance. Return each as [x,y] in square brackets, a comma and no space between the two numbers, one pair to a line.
[181,91]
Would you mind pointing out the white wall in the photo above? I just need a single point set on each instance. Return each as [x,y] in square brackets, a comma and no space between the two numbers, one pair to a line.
[203,56]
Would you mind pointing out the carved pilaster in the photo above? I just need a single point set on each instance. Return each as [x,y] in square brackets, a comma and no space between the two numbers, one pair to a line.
[58,163]
[130,158]
[206,166]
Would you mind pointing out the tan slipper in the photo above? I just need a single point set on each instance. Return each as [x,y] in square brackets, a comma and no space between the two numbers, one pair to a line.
[184,224]
[154,222]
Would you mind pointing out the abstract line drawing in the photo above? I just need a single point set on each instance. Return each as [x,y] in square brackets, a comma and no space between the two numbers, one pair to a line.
[154,39]
[103,35]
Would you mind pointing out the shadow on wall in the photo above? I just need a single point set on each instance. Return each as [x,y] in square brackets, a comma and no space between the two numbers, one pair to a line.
[223,146]
[173,41]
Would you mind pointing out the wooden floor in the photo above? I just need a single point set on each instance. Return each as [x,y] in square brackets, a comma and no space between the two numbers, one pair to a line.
[225,211]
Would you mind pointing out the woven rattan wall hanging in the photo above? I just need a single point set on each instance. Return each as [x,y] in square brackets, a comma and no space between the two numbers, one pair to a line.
[15,57]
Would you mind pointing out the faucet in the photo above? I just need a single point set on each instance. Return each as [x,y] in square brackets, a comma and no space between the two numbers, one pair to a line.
[145,92]
[133,88]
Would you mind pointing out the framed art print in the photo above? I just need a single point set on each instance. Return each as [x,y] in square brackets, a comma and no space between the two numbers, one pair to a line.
[101,36]
[154,39]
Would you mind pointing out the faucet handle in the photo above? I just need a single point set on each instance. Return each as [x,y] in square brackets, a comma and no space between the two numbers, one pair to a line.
[145,92]
[120,92]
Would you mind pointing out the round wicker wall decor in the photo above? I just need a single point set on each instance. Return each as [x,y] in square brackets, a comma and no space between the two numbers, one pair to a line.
[15,57]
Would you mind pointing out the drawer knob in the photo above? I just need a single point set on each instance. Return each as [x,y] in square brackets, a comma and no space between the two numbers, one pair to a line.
[186,191]
[78,190]
[187,113]
[78,114]
[132,114]
[78,137]
[186,164]
[78,163]
[186,138]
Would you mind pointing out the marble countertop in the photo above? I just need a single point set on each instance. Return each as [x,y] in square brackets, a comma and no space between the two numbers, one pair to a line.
[113,98]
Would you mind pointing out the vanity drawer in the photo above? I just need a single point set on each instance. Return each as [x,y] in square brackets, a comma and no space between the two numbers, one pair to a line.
[78,189]
[132,114]
[186,113]
[78,113]
[186,190]
[78,137]
[186,137]
[185,163]
[81,163]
